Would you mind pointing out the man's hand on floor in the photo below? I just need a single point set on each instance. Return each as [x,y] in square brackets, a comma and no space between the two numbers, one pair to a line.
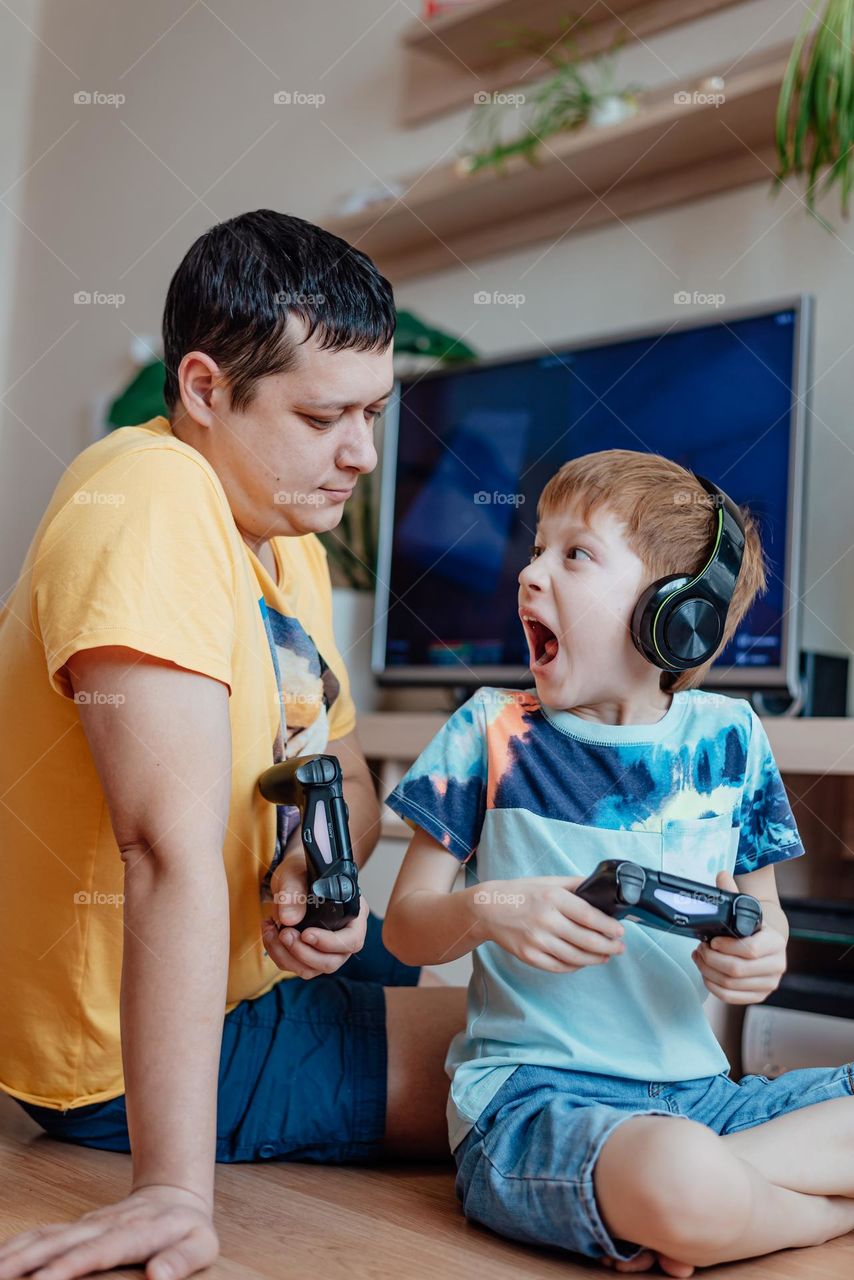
[168,1229]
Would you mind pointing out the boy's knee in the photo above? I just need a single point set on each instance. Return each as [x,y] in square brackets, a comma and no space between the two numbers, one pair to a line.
[669,1184]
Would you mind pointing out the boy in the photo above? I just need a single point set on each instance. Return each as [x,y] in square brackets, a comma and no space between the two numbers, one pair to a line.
[591,1107]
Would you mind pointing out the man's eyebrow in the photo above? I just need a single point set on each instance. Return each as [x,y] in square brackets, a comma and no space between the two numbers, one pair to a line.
[329,405]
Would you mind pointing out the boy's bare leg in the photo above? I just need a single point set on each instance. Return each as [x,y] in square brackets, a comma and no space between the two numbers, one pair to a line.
[810,1150]
[679,1189]
[420,1024]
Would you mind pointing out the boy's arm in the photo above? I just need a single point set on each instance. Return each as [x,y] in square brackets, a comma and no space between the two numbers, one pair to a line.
[762,884]
[538,919]
[425,922]
[747,970]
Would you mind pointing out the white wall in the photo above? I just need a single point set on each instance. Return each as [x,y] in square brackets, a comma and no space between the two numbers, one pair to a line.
[114,196]
[18,47]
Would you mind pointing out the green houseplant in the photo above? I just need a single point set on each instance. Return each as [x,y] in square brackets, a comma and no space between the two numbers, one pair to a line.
[815,111]
[565,100]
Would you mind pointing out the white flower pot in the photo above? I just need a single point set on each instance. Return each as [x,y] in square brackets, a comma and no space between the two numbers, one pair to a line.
[611,110]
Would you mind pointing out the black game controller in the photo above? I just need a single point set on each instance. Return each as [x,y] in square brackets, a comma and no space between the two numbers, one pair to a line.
[687,907]
[314,785]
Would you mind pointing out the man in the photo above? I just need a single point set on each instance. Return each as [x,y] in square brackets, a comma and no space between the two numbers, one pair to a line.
[169,638]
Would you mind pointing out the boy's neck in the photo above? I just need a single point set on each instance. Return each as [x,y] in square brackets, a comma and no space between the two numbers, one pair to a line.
[627,709]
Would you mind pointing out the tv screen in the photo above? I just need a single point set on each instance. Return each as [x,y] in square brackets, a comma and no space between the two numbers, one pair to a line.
[468,451]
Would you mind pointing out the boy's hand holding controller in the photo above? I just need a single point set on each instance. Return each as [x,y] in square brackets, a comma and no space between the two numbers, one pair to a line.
[539,920]
[742,970]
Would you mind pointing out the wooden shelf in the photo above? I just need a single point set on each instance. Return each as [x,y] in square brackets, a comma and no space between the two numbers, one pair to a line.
[671,152]
[812,746]
[448,60]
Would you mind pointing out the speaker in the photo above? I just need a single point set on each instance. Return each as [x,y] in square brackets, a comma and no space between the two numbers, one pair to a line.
[824,689]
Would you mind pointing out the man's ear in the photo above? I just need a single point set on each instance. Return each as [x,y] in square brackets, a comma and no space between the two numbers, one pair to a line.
[198,376]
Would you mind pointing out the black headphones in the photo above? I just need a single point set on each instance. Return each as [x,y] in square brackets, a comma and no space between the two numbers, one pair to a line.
[678,621]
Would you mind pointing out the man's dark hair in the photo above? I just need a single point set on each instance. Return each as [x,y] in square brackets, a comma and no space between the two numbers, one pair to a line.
[236,286]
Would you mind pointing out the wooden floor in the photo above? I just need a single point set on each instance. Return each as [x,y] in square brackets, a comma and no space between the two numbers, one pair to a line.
[401,1222]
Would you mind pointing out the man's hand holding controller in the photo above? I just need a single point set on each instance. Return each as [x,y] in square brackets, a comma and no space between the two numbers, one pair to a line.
[317,951]
[541,921]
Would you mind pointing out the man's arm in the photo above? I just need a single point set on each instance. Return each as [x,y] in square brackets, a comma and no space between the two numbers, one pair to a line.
[163,756]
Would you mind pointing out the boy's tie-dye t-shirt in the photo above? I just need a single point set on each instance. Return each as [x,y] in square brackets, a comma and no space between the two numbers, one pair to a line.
[514,789]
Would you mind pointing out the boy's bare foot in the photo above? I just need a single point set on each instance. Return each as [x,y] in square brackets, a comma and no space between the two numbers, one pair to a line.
[646,1260]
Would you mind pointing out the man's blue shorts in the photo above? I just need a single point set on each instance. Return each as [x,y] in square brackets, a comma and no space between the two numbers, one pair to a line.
[302,1073]
[526,1167]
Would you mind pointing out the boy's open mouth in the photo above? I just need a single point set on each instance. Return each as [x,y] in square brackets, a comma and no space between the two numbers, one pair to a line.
[542,641]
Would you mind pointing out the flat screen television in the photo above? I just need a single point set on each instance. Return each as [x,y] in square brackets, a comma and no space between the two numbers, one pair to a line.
[467,451]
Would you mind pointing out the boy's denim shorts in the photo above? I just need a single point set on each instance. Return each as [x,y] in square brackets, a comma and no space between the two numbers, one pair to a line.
[526,1167]
[302,1072]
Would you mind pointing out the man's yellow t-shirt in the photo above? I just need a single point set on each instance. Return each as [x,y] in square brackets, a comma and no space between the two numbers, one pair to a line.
[138,547]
